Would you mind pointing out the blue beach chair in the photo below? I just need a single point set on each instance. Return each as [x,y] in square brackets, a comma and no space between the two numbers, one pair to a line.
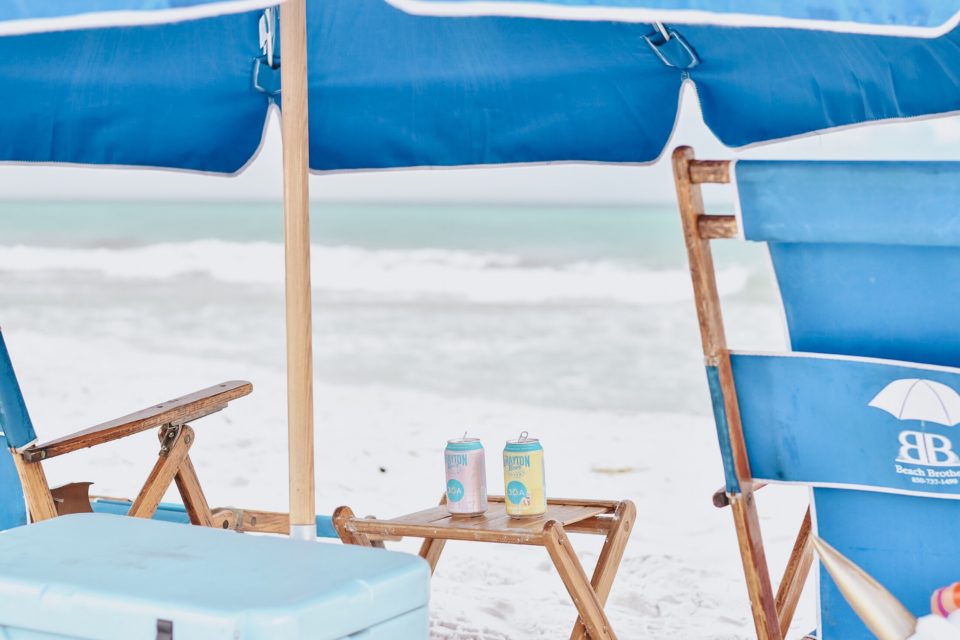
[100,576]
[22,480]
[864,407]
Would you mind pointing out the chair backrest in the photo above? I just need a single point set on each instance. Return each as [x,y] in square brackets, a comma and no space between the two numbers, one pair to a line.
[866,253]
[874,437]
[17,432]
[866,257]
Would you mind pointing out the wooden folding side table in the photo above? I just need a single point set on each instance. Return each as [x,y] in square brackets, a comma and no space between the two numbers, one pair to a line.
[614,520]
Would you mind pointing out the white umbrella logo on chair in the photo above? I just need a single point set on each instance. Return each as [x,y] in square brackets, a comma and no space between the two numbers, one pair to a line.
[926,401]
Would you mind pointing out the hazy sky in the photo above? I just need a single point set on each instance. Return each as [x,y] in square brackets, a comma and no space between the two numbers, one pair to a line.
[924,139]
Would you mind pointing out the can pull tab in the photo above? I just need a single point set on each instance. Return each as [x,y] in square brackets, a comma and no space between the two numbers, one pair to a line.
[524,436]
[464,435]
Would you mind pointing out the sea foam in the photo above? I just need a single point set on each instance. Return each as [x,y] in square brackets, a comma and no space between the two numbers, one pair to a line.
[401,274]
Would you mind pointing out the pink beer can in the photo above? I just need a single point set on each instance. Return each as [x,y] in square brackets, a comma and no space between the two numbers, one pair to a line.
[466,477]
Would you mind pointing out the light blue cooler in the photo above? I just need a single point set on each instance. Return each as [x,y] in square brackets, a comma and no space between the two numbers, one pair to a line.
[103,577]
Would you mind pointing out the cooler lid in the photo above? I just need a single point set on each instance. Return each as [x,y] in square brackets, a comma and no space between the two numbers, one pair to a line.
[110,577]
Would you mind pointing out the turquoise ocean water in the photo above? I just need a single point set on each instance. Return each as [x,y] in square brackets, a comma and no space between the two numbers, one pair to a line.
[562,306]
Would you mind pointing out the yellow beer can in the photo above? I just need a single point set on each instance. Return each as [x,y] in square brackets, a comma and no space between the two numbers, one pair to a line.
[523,478]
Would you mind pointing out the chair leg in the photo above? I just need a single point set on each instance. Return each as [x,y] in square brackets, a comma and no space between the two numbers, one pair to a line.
[795,575]
[759,588]
[609,561]
[35,489]
[176,446]
[192,493]
[575,579]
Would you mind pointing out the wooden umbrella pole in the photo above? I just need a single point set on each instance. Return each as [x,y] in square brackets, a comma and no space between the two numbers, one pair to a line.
[296,218]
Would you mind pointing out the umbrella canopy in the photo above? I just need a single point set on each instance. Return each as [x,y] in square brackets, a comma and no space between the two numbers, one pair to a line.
[55,15]
[923,18]
[177,95]
[391,90]
[388,89]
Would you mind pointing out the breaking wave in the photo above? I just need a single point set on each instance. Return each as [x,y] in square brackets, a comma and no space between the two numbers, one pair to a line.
[401,274]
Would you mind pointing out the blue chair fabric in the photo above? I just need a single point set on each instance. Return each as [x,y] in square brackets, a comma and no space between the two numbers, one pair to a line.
[17,431]
[862,253]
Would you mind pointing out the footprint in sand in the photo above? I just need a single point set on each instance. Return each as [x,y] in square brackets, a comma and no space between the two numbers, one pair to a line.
[501,609]
[447,630]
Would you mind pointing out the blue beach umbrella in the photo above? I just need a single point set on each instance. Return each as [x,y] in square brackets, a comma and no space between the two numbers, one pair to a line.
[919,18]
[388,89]
[482,90]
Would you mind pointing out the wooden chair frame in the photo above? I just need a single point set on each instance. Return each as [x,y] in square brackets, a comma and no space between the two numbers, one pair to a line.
[772,613]
[173,465]
[611,519]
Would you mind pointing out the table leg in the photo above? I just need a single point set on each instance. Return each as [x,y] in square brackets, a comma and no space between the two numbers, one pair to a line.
[431,548]
[609,561]
[575,580]
[430,551]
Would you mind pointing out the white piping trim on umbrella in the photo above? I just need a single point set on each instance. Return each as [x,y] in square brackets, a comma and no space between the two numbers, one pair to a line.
[842,127]
[522,9]
[493,166]
[501,165]
[148,167]
[667,145]
[751,145]
[131,18]
[535,163]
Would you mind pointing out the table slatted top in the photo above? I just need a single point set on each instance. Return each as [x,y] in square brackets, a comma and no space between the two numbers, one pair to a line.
[493,526]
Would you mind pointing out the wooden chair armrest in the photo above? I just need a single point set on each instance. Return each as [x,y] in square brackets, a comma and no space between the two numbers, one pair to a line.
[176,412]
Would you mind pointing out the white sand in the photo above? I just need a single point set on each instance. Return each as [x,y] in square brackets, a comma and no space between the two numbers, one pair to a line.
[680,579]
